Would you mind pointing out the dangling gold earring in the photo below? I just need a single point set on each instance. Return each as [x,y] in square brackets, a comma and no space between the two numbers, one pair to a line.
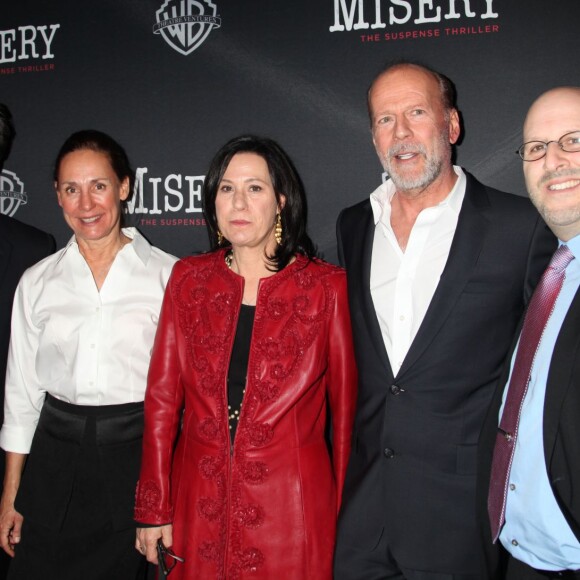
[278,229]
[220,238]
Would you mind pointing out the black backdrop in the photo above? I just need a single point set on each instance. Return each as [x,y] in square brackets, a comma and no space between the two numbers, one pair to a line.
[294,70]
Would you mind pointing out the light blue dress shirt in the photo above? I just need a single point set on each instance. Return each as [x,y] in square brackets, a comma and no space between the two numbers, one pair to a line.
[536,532]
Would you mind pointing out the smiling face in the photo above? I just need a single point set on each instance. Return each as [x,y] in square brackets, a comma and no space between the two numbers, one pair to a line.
[553,182]
[90,195]
[412,131]
[246,204]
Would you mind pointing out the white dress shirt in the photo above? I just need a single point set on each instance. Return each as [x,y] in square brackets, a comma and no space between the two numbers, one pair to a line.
[82,345]
[403,283]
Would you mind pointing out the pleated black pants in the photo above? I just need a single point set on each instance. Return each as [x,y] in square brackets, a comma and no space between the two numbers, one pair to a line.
[77,493]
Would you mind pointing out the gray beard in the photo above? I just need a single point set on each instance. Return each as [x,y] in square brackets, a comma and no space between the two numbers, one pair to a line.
[432,170]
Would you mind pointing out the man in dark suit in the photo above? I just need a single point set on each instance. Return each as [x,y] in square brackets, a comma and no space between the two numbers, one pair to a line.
[439,270]
[531,506]
[21,246]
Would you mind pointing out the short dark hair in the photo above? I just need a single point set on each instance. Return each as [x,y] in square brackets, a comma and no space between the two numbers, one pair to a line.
[101,143]
[286,182]
[7,133]
[446,86]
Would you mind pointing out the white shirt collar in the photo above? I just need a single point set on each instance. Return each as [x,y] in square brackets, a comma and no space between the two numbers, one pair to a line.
[382,196]
[574,245]
[139,244]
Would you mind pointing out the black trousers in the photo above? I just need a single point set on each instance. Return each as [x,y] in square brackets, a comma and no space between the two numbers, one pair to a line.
[352,563]
[77,493]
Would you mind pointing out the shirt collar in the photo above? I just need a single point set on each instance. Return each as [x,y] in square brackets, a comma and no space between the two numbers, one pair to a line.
[139,244]
[382,196]
[574,245]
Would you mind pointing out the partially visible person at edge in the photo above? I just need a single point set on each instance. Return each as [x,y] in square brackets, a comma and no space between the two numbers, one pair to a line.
[254,342]
[439,270]
[21,246]
[83,327]
[530,468]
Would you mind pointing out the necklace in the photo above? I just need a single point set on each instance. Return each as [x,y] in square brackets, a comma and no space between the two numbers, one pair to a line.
[234,414]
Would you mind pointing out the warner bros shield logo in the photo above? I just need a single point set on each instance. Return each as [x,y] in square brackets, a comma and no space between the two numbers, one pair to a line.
[12,193]
[185,24]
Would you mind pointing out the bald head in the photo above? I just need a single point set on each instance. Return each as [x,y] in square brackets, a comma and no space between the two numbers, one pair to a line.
[552,107]
[553,181]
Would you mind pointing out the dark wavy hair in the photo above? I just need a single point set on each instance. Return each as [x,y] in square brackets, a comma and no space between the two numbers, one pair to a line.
[286,182]
[101,143]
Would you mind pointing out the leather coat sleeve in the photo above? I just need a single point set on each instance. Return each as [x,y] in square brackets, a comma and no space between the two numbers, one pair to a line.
[163,407]
[342,383]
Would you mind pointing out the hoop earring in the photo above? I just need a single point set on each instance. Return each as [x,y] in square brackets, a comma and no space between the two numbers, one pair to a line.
[278,229]
[220,238]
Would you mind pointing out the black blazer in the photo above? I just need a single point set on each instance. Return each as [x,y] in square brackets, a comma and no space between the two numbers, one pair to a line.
[21,246]
[412,470]
[561,435]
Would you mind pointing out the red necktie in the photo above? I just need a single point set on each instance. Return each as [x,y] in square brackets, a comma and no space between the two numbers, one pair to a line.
[537,315]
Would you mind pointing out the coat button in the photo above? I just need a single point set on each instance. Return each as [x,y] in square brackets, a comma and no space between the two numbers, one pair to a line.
[389,453]
[396,390]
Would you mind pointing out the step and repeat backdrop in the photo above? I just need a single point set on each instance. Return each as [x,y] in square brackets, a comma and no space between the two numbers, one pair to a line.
[172,80]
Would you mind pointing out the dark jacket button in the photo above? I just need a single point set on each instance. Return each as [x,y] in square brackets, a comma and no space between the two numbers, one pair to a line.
[389,453]
[396,390]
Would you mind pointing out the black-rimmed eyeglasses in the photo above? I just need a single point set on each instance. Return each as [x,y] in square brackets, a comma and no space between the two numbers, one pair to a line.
[534,150]
[167,559]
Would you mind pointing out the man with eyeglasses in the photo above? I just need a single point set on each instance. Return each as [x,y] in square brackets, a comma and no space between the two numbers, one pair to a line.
[530,444]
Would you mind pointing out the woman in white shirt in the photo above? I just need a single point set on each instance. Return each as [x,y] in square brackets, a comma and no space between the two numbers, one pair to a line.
[82,331]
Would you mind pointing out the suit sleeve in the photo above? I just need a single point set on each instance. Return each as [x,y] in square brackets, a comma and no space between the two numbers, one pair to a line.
[342,383]
[163,406]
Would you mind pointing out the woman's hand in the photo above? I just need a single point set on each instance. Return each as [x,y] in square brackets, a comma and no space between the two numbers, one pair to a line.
[146,542]
[10,519]
[10,527]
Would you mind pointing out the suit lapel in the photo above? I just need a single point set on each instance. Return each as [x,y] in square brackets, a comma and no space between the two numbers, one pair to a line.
[560,377]
[472,227]
[368,307]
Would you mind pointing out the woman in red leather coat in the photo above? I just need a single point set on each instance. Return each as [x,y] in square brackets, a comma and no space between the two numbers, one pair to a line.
[254,341]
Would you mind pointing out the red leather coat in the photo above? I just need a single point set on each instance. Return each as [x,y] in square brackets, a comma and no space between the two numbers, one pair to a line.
[265,507]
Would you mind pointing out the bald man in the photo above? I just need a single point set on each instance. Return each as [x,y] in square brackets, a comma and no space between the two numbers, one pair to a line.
[536,524]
